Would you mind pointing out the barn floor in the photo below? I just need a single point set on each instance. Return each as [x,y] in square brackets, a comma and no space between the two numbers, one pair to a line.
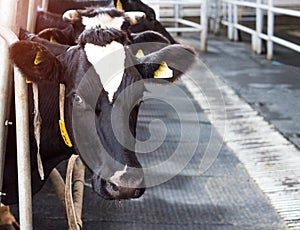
[222,197]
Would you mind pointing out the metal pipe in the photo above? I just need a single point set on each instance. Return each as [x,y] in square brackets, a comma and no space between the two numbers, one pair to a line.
[7,19]
[259,26]
[31,18]
[235,22]
[22,133]
[230,26]
[24,167]
[8,14]
[45,4]
[270,30]
[204,25]
[5,95]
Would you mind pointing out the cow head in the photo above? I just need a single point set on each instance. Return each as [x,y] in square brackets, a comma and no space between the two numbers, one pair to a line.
[105,18]
[149,22]
[104,88]
[93,17]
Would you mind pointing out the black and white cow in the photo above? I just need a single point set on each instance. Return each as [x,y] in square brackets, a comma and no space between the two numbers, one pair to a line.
[101,17]
[148,23]
[51,26]
[104,87]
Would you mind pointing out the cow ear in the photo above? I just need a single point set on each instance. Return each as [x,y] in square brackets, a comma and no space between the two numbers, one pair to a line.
[35,61]
[55,35]
[167,64]
[71,16]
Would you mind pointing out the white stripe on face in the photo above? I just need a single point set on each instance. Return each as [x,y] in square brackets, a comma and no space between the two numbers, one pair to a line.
[103,21]
[116,178]
[109,62]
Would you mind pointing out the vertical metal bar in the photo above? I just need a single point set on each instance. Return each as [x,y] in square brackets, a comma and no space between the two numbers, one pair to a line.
[24,169]
[204,25]
[22,133]
[8,14]
[18,16]
[176,14]
[217,17]
[259,26]
[229,29]
[32,11]
[235,22]
[270,29]
[224,14]
[5,95]
[22,118]
[45,4]
[7,19]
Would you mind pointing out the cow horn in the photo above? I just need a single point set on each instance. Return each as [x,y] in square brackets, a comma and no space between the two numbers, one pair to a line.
[71,16]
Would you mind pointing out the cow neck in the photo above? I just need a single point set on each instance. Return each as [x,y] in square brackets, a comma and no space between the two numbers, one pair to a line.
[62,126]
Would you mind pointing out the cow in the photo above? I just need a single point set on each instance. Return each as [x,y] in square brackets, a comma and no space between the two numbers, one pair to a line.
[49,25]
[100,113]
[149,22]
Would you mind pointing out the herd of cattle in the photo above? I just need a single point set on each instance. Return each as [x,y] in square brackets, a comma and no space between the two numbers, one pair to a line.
[92,52]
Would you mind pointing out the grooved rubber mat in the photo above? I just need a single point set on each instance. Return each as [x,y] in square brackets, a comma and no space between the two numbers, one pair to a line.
[224,197]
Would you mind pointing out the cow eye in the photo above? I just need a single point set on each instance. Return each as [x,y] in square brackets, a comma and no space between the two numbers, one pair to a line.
[77,99]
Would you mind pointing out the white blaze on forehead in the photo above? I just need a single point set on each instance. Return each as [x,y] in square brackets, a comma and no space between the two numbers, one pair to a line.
[103,21]
[116,178]
[109,62]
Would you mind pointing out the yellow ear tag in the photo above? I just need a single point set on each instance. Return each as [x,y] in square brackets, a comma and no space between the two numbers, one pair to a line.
[64,133]
[28,81]
[52,39]
[163,71]
[140,54]
[37,59]
[119,5]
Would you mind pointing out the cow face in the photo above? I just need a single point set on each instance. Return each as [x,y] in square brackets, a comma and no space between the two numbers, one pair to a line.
[105,18]
[149,22]
[104,87]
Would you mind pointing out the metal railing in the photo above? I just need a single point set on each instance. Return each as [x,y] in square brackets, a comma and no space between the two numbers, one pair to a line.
[181,24]
[16,14]
[230,18]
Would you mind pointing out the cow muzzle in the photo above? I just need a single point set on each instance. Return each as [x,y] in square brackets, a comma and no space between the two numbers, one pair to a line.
[125,184]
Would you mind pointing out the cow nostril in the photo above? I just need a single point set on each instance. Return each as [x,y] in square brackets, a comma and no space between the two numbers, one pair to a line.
[114,187]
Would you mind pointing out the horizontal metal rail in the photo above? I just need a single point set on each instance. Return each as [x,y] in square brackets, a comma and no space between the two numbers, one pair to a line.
[231,20]
[177,17]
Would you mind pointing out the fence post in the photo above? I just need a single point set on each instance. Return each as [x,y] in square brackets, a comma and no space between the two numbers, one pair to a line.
[270,29]
[204,25]
[218,18]
[229,18]
[259,26]
[235,22]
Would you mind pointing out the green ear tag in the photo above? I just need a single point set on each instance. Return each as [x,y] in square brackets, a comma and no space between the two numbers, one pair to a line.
[163,71]
[37,59]
[140,53]
[119,5]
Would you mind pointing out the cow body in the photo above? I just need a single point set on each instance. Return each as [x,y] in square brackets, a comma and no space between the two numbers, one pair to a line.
[101,106]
